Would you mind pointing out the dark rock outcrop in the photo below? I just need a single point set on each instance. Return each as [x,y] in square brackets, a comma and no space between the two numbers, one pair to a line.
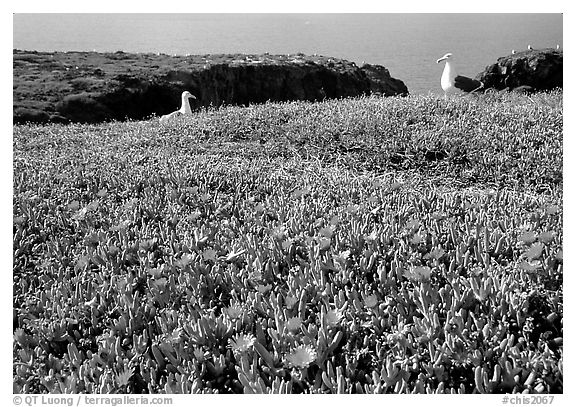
[92,87]
[527,71]
[381,81]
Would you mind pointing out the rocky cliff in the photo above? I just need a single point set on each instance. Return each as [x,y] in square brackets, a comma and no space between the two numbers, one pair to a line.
[530,70]
[92,87]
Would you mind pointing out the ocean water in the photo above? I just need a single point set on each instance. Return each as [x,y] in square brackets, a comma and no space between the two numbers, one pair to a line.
[407,44]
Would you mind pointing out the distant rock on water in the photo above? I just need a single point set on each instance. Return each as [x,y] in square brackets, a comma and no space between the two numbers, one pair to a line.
[91,87]
[531,70]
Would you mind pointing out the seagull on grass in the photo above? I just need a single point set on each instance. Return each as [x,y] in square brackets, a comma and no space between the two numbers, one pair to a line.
[452,82]
[184,108]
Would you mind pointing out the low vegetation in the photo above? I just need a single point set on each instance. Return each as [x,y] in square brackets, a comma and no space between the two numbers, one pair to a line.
[91,87]
[369,245]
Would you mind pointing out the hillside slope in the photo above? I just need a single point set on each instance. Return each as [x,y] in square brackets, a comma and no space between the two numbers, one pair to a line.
[92,87]
[366,245]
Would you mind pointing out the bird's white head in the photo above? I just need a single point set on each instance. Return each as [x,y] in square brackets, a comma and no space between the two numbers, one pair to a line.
[188,95]
[446,57]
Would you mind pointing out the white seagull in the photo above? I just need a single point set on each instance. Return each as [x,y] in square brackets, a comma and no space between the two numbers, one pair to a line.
[452,82]
[184,108]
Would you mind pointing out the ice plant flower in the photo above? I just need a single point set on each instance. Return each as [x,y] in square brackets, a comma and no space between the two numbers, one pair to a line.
[256,275]
[327,232]
[123,377]
[290,301]
[199,355]
[286,244]
[259,208]
[396,338]
[241,343]
[546,237]
[371,237]
[279,233]
[527,237]
[435,253]
[233,311]
[341,259]
[209,254]
[324,243]
[352,209]
[370,301]
[294,324]
[302,356]
[333,317]
[419,273]
[263,289]
[175,336]
[416,239]
[195,215]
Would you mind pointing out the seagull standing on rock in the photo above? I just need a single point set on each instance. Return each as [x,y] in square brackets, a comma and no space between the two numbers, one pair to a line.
[184,108]
[452,82]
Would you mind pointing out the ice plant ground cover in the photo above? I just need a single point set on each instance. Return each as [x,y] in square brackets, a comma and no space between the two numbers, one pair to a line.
[369,245]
